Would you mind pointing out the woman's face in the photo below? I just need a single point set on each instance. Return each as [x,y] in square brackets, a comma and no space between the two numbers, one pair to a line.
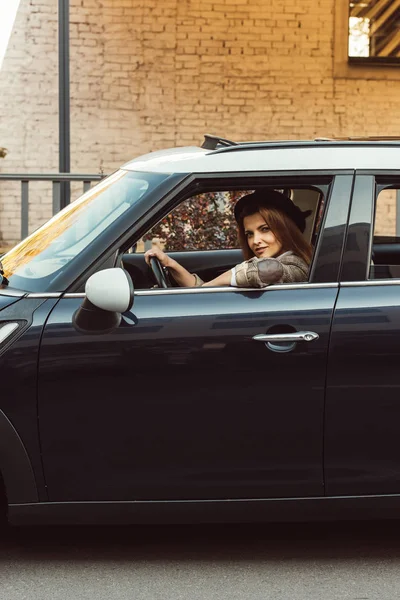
[262,242]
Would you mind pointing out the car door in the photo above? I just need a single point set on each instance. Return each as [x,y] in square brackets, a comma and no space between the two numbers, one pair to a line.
[181,402]
[362,452]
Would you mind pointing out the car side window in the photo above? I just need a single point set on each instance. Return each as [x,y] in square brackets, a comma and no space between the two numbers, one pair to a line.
[205,221]
[201,233]
[385,256]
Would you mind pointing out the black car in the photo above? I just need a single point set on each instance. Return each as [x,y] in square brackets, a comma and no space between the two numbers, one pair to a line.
[140,401]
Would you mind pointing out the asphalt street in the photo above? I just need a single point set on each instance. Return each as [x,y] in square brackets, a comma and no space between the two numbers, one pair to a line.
[347,561]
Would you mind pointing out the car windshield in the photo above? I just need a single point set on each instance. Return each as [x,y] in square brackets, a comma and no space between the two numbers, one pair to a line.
[46,252]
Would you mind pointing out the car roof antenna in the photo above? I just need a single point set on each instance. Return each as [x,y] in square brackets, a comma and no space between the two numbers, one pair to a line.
[211,142]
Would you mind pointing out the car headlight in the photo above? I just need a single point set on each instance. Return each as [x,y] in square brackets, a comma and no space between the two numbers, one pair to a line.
[9,330]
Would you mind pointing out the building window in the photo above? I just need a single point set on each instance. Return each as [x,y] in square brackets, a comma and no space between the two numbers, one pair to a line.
[374,31]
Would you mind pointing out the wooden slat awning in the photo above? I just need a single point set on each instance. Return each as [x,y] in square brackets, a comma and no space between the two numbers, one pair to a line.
[384,24]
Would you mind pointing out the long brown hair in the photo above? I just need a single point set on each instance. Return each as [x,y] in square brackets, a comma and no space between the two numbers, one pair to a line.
[282,226]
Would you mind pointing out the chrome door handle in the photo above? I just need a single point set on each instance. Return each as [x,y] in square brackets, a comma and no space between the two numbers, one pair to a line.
[299,336]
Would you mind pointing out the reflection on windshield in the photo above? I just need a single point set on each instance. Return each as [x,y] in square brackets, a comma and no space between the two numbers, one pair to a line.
[68,233]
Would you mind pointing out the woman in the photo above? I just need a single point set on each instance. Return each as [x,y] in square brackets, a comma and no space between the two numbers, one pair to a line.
[270,233]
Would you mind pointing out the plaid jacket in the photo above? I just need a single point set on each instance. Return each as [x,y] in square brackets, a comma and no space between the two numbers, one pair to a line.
[260,272]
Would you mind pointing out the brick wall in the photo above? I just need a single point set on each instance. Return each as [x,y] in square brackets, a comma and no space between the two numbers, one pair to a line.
[148,74]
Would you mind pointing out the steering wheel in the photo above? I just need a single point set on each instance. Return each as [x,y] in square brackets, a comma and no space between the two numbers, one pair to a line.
[160,273]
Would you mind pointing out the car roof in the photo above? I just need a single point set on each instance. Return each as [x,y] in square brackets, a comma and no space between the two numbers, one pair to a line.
[293,155]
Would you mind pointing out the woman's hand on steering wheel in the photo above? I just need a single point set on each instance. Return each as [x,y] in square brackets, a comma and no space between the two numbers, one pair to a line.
[159,254]
[158,262]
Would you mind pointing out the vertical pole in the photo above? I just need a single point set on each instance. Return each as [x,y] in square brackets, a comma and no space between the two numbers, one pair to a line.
[24,208]
[63,92]
[57,196]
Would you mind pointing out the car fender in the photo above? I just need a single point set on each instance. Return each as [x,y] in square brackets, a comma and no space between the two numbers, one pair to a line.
[15,465]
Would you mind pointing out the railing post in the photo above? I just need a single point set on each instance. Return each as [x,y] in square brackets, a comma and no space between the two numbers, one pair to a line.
[64,99]
[24,208]
[56,196]
[86,186]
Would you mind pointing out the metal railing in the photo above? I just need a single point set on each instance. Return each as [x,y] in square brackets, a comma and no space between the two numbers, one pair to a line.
[56,180]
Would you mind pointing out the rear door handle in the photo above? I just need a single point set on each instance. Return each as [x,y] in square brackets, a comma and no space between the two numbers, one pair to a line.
[298,336]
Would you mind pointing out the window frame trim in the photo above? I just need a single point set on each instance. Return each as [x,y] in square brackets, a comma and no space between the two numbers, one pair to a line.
[202,182]
[378,180]
[217,289]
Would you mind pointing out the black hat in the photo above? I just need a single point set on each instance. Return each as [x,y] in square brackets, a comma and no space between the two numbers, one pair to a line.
[271,198]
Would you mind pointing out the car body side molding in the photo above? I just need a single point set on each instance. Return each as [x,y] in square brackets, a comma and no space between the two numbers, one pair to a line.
[15,466]
[321,508]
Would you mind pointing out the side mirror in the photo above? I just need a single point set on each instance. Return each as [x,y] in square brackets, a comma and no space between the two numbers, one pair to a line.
[108,293]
